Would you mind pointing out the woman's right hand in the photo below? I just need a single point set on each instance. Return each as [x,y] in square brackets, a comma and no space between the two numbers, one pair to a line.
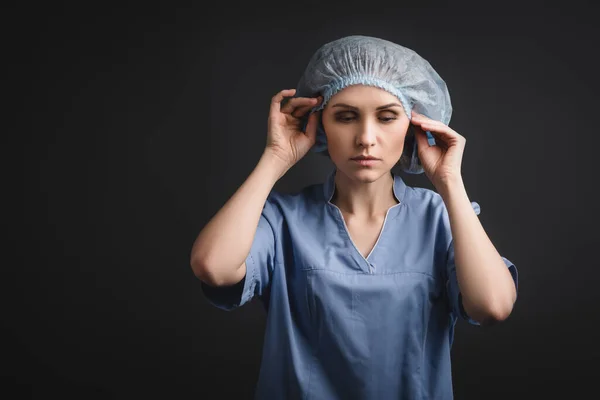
[285,140]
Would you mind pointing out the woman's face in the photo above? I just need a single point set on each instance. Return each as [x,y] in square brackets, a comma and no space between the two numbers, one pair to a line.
[364,120]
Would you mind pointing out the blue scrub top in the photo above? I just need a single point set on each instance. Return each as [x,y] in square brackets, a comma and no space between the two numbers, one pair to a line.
[342,326]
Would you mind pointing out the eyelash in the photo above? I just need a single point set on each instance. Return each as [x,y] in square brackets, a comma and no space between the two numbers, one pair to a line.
[348,119]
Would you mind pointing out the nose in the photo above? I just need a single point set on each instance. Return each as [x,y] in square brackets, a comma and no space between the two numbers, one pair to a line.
[366,136]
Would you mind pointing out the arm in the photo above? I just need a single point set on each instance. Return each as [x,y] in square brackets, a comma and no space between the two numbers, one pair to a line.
[487,288]
[220,250]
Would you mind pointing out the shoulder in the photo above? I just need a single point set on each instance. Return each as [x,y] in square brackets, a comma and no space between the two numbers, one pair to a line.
[308,193]
[430,200]
[423,199]
[302,201]
[422,194]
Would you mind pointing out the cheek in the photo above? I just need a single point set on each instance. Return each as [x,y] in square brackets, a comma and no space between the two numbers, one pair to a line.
[335,133]
[397,138]
[336,141]
[397,147]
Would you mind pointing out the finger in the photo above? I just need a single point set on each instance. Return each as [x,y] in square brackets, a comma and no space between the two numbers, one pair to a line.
[424,137]
[426,123]
[442,131]
[296,102]
[420,120]
[278,98]
[290,106]
[429,126]
[435,127]
[311,127]
[420,137]
[300,111]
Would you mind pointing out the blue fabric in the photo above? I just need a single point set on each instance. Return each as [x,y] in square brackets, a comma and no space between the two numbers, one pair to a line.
[340,326]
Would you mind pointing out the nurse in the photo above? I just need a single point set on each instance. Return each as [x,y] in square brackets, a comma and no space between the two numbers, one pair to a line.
[362,276]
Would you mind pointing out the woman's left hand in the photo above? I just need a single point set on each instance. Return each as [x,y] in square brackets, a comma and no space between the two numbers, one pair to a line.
[441,162]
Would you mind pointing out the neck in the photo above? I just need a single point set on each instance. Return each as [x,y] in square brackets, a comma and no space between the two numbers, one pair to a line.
[364,199]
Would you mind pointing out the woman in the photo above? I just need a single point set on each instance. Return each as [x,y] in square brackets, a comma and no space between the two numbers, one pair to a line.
[363,277]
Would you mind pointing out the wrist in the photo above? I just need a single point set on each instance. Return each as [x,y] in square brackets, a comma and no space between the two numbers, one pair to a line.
[451,187]
[275,165]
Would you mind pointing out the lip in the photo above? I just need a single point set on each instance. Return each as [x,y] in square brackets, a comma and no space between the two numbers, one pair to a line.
[366,162]
[364,158]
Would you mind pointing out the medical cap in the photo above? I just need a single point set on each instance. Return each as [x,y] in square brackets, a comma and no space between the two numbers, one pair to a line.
[372,61]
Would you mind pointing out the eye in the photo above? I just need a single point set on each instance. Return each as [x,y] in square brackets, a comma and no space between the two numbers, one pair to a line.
[344,117]
[390,116]
[349,116]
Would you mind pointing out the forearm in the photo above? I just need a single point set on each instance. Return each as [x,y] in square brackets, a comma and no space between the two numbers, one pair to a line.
[487,288]
[224,243]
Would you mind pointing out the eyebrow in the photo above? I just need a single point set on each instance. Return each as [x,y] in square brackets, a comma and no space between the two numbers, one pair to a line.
[378,108]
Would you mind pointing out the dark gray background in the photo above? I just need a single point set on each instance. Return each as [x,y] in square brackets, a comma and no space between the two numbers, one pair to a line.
[134,125]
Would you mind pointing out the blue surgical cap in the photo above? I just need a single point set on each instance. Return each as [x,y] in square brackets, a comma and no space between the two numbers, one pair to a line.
[372,61]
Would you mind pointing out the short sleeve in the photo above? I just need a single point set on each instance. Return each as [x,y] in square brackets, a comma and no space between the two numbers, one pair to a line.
[259,266]
[452,288]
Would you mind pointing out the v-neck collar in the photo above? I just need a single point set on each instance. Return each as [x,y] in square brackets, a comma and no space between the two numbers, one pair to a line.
[399,190]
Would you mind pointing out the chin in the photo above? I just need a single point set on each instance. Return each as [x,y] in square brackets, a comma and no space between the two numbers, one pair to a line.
[366,174]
